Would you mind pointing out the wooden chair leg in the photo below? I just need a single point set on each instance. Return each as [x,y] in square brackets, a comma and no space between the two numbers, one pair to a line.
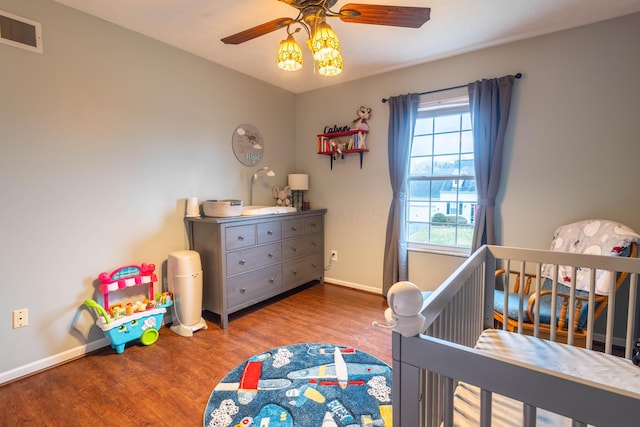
[576,315]
[563,314]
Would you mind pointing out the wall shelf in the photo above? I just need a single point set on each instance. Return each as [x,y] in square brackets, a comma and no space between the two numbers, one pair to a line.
[333,155]
[338,144]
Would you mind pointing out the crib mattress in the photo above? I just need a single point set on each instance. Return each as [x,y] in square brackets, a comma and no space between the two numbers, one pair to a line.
[613,371]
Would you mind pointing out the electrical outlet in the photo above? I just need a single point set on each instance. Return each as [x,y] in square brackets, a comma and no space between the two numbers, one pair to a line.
[20,318]
[334,255]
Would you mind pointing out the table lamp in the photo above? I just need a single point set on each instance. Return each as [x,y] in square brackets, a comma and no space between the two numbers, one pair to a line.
[298,184]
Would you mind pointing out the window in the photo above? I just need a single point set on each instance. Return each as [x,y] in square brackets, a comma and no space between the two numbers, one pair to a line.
[441,184]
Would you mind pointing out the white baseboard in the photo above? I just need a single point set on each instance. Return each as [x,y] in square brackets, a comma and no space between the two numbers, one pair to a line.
[617,341]
[353,285]
[74,353]
[56,359]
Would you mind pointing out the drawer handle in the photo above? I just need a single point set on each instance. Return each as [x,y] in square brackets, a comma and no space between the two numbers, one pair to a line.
[271,280]
[313,244]
[313,224]
[243,290]
[241,237]
[270,255]
[295,273]
[294,228]
[269,232]
[241,262]
[294,249]
[313,265]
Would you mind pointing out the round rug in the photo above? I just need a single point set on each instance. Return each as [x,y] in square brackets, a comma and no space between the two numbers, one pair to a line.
[306,385]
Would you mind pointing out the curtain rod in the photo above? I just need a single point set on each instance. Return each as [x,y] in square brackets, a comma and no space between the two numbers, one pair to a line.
[517,76]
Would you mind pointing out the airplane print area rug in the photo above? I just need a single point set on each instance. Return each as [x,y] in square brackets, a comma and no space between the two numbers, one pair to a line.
[305,385]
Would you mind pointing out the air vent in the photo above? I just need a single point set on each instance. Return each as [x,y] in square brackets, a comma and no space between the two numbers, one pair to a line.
[20,32]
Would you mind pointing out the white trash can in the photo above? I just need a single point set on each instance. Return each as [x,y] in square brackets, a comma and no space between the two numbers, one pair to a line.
[184,273]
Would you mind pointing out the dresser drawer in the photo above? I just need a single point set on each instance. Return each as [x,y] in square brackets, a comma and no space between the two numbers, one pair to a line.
[301,270]
[269,232]
[301,246]
[240,236]
[312,224]
[292,228]
[252,258]
[245,288]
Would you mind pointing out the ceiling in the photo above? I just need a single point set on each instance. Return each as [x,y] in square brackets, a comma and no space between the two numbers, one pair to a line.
[456,26]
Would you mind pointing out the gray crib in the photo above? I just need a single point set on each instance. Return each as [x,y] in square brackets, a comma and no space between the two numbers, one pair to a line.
[461,371]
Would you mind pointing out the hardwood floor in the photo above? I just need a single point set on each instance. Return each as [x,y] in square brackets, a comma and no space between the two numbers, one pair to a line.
[169,383]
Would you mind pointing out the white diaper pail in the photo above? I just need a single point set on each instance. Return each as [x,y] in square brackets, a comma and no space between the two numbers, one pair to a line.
[184,273]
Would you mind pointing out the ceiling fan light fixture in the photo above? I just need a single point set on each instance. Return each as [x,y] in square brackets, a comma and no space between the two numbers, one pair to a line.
[289,55]
[321,40]
[330,67]
[324,43]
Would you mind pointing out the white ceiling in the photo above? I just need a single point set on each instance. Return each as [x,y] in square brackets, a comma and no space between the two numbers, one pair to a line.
[456,26]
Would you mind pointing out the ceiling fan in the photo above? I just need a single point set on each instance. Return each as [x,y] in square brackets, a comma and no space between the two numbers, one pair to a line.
[322,41]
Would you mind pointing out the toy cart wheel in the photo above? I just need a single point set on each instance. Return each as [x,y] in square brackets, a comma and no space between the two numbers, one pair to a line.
[149,336]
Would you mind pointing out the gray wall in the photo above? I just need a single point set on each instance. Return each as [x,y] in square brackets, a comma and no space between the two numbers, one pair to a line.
[105,134]
[572,150]
[103,137]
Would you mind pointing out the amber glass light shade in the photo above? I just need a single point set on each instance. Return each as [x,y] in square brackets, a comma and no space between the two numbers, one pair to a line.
[324,44]
[330,67]
[289,55]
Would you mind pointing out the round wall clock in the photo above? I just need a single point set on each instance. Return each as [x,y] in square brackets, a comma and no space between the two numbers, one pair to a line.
[248,145]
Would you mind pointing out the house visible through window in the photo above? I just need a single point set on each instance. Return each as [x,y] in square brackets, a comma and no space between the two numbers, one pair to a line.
[442,194]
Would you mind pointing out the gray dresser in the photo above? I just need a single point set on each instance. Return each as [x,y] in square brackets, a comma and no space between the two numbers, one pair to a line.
[246,260]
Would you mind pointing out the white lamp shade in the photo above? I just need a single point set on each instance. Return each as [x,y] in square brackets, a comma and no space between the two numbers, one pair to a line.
[298,181]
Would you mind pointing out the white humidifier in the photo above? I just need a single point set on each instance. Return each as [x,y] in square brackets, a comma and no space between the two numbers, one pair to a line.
[184,272]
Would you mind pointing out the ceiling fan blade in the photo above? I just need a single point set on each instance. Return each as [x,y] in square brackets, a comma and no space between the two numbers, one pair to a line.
[395,16]
[257,31]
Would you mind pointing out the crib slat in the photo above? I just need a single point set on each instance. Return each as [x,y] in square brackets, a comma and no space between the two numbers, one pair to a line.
[431,399]
[633,290]
[505,313]
[572,303]
[591,308]
[554,296]
[521,299]
[610,309]
[486,398]
[538,288]
[528,415]
[449,387]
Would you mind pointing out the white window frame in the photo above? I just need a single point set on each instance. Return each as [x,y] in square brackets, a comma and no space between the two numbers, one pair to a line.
[452,101]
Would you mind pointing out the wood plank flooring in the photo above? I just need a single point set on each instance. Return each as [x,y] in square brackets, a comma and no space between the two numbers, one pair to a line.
[169,383]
